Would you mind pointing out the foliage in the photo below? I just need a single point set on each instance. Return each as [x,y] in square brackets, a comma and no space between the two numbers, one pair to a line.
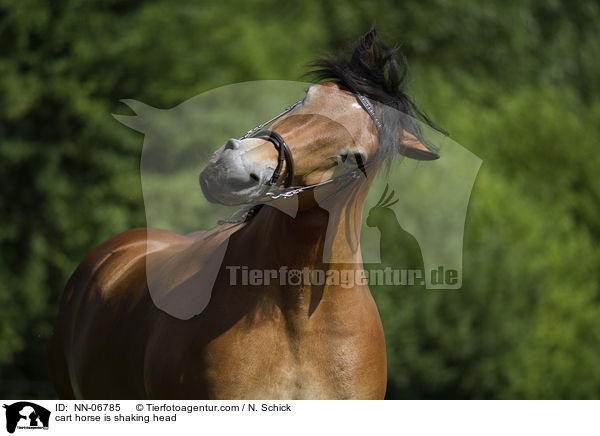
[512,81]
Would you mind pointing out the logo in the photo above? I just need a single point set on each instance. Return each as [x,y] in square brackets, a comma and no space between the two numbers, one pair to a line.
[26,415]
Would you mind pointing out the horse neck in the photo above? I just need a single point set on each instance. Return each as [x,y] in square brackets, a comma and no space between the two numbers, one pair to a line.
[273,239]
[323,231]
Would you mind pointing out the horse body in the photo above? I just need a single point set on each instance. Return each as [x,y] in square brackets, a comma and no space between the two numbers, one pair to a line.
[250,342]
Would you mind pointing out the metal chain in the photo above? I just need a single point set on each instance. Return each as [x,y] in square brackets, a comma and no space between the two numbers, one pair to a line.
[295,191]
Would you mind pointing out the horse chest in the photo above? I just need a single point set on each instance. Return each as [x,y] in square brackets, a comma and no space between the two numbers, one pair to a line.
[271,362]
[257,359]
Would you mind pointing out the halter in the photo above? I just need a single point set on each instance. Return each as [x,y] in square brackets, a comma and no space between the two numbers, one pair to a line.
[283,150]
[284,153]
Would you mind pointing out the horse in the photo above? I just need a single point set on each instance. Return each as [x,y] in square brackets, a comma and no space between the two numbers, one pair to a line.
[271,341]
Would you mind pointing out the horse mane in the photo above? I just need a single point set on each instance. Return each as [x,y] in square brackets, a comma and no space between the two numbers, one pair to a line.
[379,72]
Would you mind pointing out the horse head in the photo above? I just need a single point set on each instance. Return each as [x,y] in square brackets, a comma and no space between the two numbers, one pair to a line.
[332,131]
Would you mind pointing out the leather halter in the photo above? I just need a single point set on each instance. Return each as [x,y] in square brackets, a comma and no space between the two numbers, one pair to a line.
[284,153]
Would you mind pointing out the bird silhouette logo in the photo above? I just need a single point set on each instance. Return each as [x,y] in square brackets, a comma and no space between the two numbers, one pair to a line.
[398,247]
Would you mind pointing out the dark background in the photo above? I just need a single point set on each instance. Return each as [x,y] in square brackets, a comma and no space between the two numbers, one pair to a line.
[516,82]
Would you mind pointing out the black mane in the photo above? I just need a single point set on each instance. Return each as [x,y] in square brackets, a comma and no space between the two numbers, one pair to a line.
[378,72]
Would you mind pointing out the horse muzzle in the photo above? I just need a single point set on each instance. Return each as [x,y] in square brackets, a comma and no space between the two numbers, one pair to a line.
[238,173]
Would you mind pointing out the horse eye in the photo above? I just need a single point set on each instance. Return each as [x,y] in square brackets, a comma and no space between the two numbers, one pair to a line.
[347,158]
[352,158]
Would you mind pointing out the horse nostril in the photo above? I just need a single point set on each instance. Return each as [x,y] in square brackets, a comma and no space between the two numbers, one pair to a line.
[232,144]
[254,177]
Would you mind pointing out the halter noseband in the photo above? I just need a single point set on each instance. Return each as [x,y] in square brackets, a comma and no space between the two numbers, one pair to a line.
[284,153]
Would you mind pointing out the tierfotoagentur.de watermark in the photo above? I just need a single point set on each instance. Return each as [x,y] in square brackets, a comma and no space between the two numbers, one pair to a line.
[346,278]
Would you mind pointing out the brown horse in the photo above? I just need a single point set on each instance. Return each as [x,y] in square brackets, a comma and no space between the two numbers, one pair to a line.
[271,340]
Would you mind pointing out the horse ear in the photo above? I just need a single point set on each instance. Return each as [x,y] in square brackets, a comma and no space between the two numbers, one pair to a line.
[412,148]
[364,53]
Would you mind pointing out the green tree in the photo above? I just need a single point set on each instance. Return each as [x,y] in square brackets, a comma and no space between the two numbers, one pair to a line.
[512,81]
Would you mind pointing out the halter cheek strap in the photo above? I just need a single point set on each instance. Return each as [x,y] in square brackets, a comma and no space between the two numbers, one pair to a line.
[252,131]
[368,107]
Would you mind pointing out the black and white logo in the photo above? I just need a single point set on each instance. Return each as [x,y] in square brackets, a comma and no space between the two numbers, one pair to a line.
[26,415]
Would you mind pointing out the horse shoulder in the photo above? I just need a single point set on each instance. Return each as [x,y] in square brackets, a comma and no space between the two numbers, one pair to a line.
[106,288]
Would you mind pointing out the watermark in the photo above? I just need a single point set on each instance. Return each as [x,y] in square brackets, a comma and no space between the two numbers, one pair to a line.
[25,415]
[214,179]
[345,278]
